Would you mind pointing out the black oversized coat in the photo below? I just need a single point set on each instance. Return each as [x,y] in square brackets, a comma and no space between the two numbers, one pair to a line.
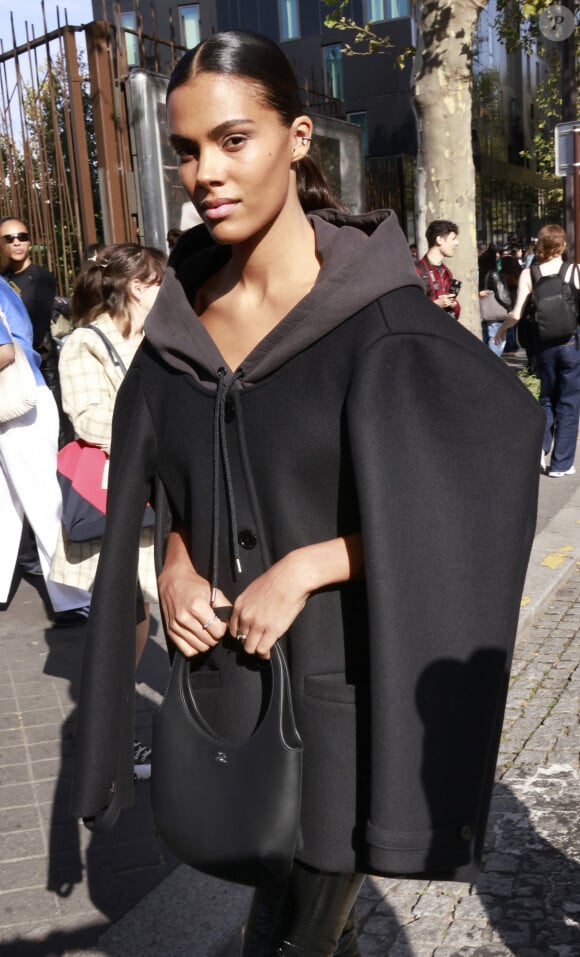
[379,414]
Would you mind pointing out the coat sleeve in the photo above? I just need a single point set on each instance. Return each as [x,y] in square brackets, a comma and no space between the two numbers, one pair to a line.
[103,777]
[446,444]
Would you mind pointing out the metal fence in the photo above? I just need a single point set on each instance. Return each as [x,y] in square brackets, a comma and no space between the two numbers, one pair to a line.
[65,154]
[65,164]
[44,153]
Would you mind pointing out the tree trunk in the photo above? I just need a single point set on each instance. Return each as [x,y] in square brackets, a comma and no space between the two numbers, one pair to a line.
[442,98]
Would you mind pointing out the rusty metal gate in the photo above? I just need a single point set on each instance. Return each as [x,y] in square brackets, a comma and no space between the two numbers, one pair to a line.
[65,154]
[64,146]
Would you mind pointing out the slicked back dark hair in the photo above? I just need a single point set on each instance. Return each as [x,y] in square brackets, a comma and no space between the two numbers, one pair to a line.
[256,58]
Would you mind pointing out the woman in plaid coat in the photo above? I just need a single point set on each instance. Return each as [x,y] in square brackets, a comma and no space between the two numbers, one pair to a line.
[114,294]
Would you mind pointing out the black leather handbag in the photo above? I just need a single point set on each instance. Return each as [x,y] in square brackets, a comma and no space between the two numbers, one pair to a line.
[228,809]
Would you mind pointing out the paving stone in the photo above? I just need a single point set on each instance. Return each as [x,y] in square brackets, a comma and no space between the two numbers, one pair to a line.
[7,706]
[13,795]
[9,722]
[17,908]
[479,951]
[44,732]
[18,819]
[16,754]
[45,717]
[13,774]
[18,845]
[375,946]
[23,875]
[49,769]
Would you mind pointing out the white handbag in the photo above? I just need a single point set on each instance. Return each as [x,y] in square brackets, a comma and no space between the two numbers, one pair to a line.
[18,389]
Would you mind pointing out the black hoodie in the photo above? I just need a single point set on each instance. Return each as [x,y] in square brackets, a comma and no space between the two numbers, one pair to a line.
[365,409]
[363,258]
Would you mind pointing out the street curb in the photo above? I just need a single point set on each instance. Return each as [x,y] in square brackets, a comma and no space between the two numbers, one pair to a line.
[554,555]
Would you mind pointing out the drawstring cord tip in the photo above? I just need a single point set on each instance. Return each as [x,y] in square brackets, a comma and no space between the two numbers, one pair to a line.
[238,566]
[213,597]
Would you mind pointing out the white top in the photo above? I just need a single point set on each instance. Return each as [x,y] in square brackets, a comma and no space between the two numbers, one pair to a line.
[549,268]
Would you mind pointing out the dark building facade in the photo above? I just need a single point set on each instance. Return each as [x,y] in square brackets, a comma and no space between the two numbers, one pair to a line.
[373,92]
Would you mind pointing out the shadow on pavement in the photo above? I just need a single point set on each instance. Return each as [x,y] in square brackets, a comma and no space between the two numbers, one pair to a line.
[529,885]
[114,870]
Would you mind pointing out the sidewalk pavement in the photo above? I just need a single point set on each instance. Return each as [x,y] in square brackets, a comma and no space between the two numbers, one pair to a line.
[66,891]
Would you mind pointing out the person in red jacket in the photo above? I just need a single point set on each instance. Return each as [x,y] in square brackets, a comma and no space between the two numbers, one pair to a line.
[441,236]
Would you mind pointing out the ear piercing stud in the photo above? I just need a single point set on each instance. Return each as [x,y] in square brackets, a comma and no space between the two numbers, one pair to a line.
[304,140]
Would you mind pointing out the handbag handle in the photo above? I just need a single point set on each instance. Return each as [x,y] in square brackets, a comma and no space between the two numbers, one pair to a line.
[279,713]
[116,358]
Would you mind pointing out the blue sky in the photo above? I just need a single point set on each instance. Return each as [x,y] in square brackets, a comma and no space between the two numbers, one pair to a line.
[78,11]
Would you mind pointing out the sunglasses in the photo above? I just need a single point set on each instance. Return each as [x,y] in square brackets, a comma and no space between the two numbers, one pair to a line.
[12,237]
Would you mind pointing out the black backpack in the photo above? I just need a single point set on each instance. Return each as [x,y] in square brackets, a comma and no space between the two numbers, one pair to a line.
[552,311]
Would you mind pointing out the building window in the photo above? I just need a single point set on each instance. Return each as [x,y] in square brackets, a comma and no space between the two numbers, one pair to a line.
[333,71]
[129,22]
[289,19]
[360,119]
[386,10]
[189,26]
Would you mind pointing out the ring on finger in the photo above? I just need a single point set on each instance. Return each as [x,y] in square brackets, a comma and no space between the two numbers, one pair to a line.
[241,637]
[210,622]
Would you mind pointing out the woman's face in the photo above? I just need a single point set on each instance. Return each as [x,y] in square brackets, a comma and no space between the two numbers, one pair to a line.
[235,154]
[142,295]
[149,294]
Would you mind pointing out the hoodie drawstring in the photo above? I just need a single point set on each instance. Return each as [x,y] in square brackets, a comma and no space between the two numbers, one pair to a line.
[221,458]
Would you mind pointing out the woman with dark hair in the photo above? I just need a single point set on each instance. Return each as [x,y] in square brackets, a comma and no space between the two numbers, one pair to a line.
[558,361]
[509,271]
[114,294]
[300,408]
[494,299]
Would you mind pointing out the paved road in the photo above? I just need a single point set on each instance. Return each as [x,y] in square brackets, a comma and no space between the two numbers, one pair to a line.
[63,890]
[527,900]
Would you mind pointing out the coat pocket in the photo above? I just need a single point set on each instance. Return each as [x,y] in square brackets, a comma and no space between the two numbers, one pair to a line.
[332,687]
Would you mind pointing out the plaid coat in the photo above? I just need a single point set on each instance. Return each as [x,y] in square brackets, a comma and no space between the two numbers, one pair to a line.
[89,383]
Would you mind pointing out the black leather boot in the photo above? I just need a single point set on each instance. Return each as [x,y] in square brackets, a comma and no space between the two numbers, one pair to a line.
[309,915]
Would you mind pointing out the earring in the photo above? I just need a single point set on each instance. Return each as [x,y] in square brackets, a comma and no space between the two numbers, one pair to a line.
[305,140]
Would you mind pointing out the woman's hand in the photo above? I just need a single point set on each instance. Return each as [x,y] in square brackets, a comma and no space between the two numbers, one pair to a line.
[269,605]
[267,608]
[185,597]
[7,355]
[447,301]
[501,333]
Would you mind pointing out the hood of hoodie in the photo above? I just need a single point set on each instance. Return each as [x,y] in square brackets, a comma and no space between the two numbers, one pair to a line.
[362,258]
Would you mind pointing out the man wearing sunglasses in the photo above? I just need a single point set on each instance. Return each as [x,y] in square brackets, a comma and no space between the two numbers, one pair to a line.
[37,286]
